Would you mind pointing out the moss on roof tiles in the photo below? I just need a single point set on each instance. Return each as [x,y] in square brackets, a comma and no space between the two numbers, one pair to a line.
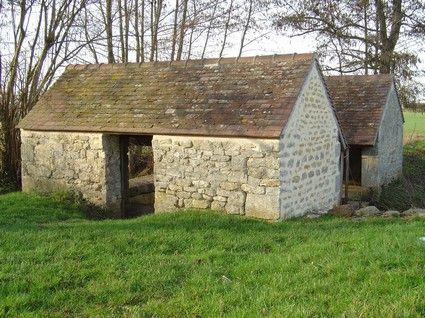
[359,101]
[247,97]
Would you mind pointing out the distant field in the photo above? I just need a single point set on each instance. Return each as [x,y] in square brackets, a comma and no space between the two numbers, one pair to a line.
[414,123]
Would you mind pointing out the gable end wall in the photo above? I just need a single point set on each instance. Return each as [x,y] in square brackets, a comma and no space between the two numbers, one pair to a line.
[390,140]
[310,150]
[383,162]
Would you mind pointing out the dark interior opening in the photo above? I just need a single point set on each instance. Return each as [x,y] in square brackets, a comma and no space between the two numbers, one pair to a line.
[138,190]
[355,166]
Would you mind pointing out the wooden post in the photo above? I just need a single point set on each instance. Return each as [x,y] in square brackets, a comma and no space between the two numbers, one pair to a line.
[341,169]
[347,171]
[124,173]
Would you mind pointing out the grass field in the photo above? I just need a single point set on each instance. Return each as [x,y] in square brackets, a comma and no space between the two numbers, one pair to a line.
[56,263]
[414,123]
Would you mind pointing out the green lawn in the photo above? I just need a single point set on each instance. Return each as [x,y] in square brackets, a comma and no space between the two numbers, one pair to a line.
[414,123]
[56,263]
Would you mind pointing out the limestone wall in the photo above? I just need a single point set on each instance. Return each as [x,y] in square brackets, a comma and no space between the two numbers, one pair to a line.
[383,163]
[370,167]
[81,162]
[310,154]
[239,176]
[390,141]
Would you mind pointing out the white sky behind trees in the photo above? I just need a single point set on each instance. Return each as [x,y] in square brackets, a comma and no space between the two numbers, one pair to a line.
[281,43]
[262,39]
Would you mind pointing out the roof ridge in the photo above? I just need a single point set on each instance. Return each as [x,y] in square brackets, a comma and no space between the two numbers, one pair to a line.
[390,76]
[208,61]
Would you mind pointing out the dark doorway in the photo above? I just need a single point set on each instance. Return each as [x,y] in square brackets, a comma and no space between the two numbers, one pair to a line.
[355,166]
[138,190]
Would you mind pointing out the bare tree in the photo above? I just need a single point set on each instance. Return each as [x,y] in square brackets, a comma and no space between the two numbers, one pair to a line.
[109,36]
[226,28]
[121,30]
[182,30]
[36,56]
[88,36]
[142,32]
[374,25]
[192,26]
[246,27]
[364,35]
[156,9]
[174,36]
[136,29]
[124,28]
[169,29]
[207,37]
[45,35]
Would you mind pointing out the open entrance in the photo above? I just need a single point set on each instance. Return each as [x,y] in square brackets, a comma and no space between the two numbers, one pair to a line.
[355,166]
[138,190]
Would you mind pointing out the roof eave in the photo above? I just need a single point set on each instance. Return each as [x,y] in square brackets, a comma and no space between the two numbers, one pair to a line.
[150,133]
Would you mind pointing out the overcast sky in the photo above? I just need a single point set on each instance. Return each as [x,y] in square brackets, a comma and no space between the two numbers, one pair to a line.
[278,43]
[274,42]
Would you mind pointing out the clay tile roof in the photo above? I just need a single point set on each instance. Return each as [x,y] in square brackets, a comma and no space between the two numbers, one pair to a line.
[246,97]
[359,102]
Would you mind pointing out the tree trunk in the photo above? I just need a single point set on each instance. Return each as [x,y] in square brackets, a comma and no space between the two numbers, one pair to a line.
[174,38]
[212,18]
[182,31]
[246,27]
[47,44]
[9,140]
[121,28]
[152,53]
[109,35]
[388,42]
[366,54]
[142,33]
[192,30]
[136,29]
[126,29]
[226,28]
[157,16]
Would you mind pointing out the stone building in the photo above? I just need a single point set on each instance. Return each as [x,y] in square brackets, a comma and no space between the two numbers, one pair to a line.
[371,118]
[255,136]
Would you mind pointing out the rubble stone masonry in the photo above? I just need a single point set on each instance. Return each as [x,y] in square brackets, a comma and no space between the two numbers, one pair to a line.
[310,154]
[85,163]
[390,140]
[239,176]
[383,162]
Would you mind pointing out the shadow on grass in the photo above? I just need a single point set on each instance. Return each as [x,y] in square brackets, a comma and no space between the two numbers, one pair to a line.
[408,191]
[20,211]
[192,221]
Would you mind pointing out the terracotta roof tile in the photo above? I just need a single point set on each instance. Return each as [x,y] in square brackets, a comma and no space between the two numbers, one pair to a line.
[247,97]
[359,102]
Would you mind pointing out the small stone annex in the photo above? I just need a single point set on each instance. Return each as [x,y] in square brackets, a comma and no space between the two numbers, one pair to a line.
[371,118]
[255,136]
